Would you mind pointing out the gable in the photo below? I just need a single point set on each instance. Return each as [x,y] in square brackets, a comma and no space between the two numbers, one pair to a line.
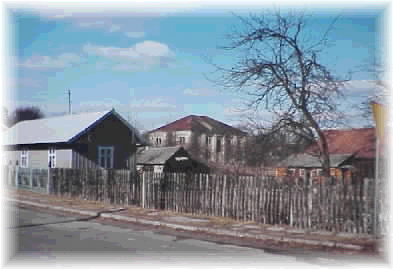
[108,131]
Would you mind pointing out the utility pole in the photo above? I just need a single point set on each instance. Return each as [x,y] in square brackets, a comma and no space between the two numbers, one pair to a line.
[69,101]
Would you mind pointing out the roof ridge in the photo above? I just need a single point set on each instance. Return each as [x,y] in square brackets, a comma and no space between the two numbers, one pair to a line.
[58,116]
[184,124]
[170,123]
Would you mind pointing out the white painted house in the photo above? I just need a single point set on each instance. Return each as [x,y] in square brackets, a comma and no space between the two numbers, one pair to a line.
[207,138]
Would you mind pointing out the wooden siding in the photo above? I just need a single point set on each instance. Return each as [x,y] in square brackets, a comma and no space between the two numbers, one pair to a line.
[110,132]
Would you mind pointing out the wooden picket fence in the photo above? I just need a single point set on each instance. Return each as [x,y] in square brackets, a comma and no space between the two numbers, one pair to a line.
[331,205]
[111,186]
[339,206]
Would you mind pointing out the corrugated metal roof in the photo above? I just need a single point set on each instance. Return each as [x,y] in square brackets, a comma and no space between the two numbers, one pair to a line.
[310,161]
[156,155]
[62,129]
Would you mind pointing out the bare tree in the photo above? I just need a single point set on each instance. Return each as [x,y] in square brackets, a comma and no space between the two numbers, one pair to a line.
[279,69]
[25,113]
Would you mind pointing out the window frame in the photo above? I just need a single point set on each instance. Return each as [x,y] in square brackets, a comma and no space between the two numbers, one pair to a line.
[24,156]
[182,140]
[52,154]
[112,156]
[219,145]
[158,141]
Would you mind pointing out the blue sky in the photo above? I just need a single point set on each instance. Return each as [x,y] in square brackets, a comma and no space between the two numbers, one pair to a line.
[152,67]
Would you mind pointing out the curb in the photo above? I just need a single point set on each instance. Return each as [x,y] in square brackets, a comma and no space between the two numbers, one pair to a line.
[282,239]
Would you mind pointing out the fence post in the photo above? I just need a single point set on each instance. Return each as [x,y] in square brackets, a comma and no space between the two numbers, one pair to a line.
[376,208]
[143,189]
[16,176]
[48,185]
[31,178]
[9,175]
[223,196]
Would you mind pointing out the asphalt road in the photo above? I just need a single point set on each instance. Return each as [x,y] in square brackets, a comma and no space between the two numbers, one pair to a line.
[52,238]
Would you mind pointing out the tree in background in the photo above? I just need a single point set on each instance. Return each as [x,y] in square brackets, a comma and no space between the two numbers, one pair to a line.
[279,68]
[25,113]
[380,94]
[266,147]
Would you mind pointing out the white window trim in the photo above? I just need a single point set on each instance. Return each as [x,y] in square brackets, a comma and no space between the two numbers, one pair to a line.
[24,154]
[182,138]
[52,153]
[112,155]
[292,171]
[158,141]
[209,140]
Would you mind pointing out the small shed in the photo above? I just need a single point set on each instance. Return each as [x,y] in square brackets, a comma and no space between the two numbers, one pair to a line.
[168,159]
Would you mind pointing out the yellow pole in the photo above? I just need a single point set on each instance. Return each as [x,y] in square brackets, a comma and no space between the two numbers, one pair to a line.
[379,118]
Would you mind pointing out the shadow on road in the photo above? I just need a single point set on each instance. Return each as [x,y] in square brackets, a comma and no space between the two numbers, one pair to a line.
[69,220]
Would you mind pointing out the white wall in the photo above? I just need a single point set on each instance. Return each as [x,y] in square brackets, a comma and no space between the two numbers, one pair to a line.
[39,158]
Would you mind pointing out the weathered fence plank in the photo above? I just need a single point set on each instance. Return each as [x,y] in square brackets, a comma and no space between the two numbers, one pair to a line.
[332,204]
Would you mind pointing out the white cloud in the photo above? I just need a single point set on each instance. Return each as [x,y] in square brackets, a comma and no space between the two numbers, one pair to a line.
[92,23]
[135,34]
[51,62]
[152,105]
[107,25]
[141,56]
[28,82]
[72,10]
[359,87]
[199,92]
[114,28]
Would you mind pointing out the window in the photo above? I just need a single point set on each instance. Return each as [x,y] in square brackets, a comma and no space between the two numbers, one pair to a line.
[158,141]
[105,156]
[52,158]
[316,172]
[209,140]
[301,172]
[218,146]
[233,140]
[182,140]
[24,159]
[291,172]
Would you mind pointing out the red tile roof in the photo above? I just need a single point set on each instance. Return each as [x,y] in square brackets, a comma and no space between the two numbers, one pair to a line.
[360,141]
[200,123]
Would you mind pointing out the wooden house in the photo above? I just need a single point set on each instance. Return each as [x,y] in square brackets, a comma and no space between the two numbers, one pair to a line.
[86,140]
[352,152]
